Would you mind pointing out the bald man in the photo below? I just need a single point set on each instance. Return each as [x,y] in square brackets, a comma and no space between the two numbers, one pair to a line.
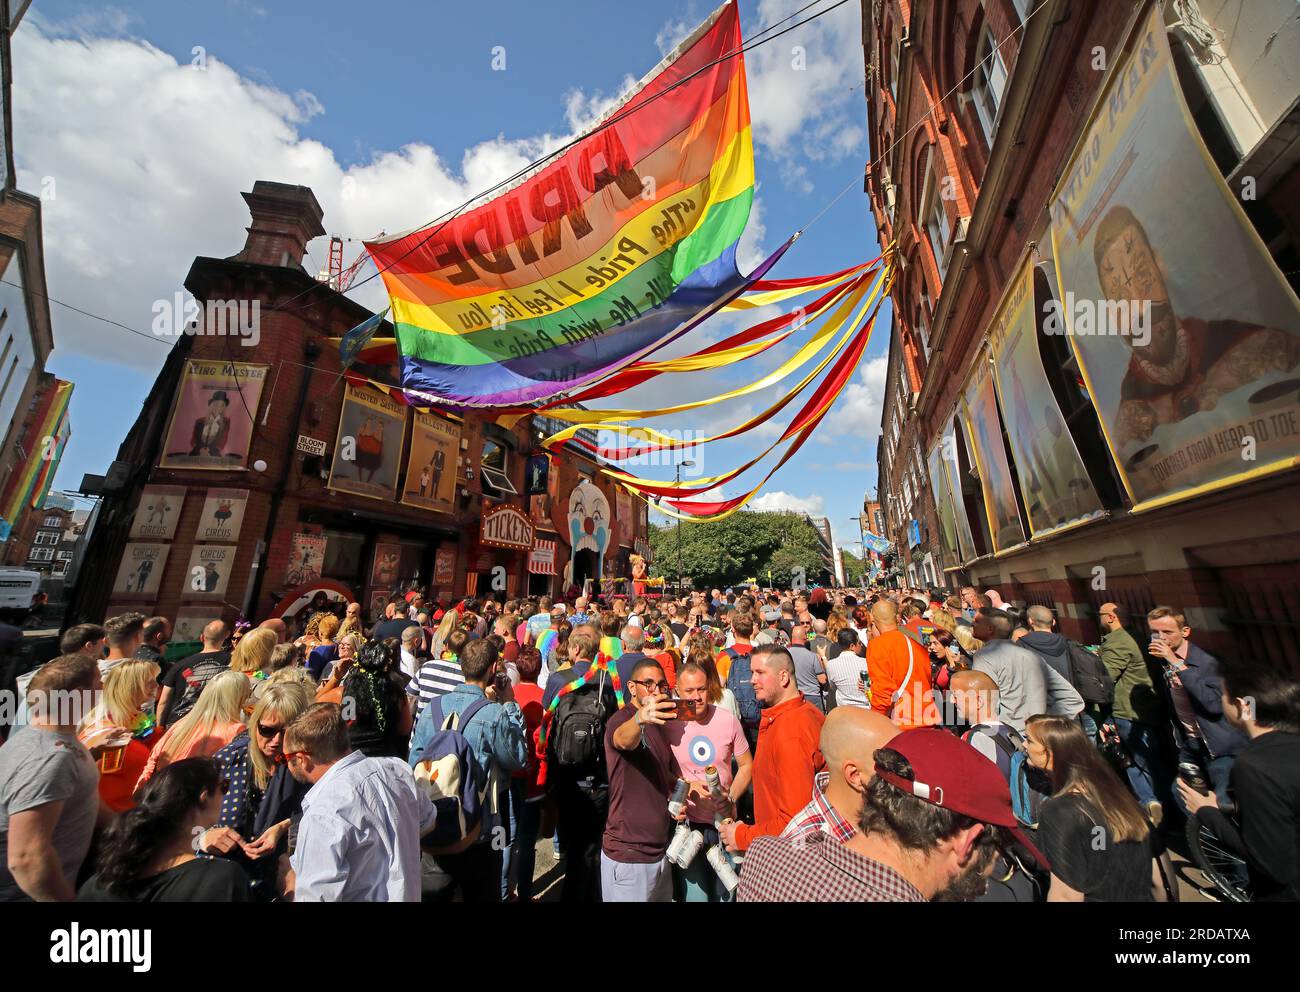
[277,625]
[197,669]
[849,740]
[899,672]
[974,695]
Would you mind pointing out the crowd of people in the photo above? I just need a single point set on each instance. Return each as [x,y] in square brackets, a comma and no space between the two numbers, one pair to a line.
[746,745]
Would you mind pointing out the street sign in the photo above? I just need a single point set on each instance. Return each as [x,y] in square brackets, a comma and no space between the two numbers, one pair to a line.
[310,445]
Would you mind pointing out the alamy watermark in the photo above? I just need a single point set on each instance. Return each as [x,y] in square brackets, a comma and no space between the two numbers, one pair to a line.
[1099,318]
[211,318]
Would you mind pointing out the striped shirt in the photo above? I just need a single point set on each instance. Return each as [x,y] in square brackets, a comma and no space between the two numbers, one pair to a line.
[436,677]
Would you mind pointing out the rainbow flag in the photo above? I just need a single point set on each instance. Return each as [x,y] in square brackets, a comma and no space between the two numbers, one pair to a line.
[44,445]
[595,258]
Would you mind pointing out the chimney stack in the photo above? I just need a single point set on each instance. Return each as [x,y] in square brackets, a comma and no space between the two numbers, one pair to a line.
[285,218]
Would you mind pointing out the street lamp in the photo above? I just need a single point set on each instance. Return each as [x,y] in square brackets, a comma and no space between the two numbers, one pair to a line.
[677,478]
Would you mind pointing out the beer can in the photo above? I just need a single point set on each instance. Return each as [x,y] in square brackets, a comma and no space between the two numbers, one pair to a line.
[690,848]
[678,801]
[722,867]
[680,837]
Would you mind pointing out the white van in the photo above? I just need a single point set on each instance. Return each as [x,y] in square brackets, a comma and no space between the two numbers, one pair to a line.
[18,586]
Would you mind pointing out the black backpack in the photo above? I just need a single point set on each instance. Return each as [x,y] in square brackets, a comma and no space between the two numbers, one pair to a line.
[577,735]
[1089,675]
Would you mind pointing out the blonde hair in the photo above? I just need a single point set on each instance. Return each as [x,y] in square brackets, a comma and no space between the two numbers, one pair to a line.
[351,625]
[312,629]
[254,650]
[126,687]
[221,702]
[284,699]
[445,628]
[291,676]
[943,621]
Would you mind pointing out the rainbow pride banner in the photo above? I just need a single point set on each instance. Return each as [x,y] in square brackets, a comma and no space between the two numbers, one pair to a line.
[594,259]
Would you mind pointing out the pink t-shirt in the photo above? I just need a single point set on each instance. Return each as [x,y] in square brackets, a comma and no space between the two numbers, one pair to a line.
[697,744]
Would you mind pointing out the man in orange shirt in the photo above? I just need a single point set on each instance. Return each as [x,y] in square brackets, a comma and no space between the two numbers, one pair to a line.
[788,756]
[899,670]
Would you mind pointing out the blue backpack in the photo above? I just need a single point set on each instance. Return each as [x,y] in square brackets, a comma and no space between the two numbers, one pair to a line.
[1029,790]
[447,771]
[738,682]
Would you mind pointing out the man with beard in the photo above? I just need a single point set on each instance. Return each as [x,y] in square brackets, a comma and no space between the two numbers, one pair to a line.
[934,816]
[1186,364]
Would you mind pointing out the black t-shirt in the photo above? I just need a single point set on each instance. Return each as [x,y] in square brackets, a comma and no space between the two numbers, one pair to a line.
[1078,843]
[391,628]
[176,681]
[200,880]
[638,827]
[679,630]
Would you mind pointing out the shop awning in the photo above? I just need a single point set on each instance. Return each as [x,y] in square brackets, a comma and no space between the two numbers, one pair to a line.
[541,560]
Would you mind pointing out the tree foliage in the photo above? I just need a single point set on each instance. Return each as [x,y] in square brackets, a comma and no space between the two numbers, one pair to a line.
[854,568]
[746,545]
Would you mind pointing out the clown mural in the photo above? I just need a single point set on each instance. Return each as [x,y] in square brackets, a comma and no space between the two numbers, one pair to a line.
[589,534]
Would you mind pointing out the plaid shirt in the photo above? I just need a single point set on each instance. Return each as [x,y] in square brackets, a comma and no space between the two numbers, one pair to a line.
[819,816]
[817,869]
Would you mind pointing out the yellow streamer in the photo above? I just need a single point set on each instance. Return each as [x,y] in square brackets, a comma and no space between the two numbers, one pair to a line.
[752,300]
[840,319]
[814,344]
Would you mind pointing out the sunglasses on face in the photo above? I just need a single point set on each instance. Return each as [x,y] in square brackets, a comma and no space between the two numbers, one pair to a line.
[269,733]
[287,756]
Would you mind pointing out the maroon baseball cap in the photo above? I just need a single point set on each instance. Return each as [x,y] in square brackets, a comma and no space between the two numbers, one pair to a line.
[950,773]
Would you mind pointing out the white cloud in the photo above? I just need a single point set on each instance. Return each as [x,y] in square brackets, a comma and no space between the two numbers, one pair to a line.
[778,500]
[146,156]
[673,34]
[750,250]
[857,412]
[804,86]
[581,109]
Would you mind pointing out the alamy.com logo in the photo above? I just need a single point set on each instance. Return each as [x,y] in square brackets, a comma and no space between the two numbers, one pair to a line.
[212,318]
[90,946]
[1099,318]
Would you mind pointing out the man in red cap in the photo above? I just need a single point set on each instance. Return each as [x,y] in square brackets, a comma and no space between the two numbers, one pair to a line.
[934,816]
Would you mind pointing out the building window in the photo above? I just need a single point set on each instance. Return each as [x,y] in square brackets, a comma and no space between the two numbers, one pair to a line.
[887,189]
[923,324]
[60,567]
[41,554]
[63,555]
[893,72]
[53,522]
[47,537]
[494,467]
[934,217]
[989,83]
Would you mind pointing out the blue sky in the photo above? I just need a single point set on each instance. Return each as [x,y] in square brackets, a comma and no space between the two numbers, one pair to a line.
[392,113]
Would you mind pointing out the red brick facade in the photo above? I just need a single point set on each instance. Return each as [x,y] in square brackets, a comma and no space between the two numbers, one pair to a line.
[1231,560]
[303,395]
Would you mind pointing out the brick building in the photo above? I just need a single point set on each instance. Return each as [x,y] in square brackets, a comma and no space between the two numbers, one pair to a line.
[975,110]
[301,530]
[34,424]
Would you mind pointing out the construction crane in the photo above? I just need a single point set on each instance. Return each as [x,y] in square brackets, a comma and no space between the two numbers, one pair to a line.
[336,275]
